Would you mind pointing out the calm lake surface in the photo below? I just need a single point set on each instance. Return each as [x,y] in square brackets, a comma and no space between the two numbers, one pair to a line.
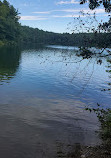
[43,94]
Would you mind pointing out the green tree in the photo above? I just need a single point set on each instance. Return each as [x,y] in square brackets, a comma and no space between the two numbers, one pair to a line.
[9,22]
[96,3]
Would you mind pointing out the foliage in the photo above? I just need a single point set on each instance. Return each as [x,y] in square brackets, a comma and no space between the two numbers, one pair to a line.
[106,27]
[9,25]
[1,43]
[34,35]
[104,116]
[96,3]
[103,31]
[12,32]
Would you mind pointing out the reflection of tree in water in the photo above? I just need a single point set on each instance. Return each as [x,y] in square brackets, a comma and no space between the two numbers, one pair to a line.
[9,62]
[32,46]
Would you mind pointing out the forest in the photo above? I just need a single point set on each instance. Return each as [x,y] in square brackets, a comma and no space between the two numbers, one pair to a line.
[12,32]
[55,100]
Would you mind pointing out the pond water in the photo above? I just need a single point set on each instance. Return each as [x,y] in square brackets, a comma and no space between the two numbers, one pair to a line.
[43,94]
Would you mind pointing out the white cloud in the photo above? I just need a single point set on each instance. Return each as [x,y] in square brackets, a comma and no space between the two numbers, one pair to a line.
[72,16]
[68,2]
[72,11]
[32,18]
[67,16]
[48,12]
[25,4]
[97,11]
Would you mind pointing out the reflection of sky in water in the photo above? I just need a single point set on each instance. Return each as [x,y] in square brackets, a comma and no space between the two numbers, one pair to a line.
[46,98]
[55,73]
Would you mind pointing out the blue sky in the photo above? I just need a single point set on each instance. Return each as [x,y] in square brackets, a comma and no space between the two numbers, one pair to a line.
[53,15]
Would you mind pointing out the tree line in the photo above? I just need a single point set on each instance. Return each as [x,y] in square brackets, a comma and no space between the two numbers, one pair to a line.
[12,32]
